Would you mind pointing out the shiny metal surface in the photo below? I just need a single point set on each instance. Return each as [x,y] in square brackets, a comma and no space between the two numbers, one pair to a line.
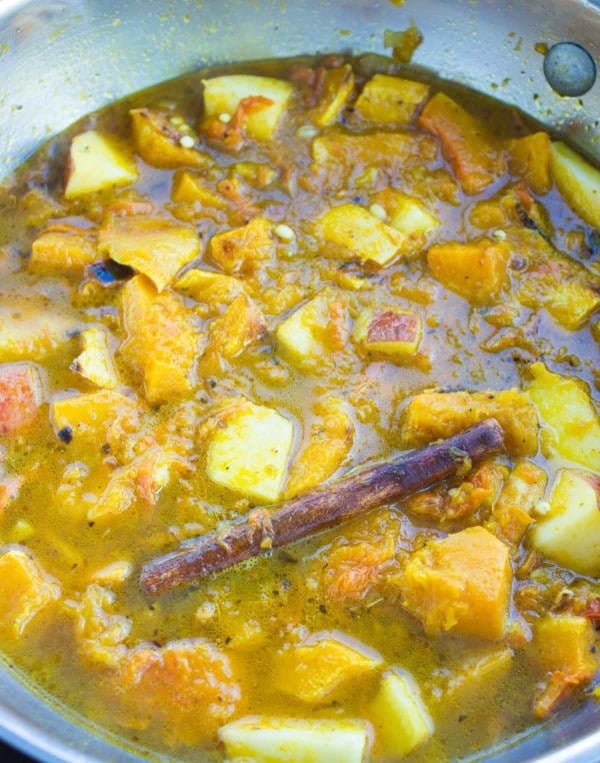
[59,60]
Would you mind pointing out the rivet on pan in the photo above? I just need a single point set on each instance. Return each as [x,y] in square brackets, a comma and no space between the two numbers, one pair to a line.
[569,69]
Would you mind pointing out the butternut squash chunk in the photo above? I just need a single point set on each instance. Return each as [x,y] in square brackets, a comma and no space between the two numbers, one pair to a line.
[63,249]
[530,159]
[315,672]
[477,270]
[460,584]
[337,88]
[431,415]
[162,340]
[155,247]
[240,250]
[25,589]
[391,100]
[472,155]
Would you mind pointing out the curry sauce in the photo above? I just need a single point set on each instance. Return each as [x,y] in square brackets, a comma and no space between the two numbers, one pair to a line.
[230,289]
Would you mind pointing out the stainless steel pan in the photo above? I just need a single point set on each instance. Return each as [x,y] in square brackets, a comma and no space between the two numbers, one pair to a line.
[59,60]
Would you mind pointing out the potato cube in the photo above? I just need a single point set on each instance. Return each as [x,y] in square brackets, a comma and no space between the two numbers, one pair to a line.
[316,671]
[565,642]
[240,249]
[223,95]
[572,426]
[338,85]
[524,487]
[391,100]
[94,418]
[162,340]
[155,247]
[249,452]
[530,159]
[191,188]
[21,393]
[241,324]
[25,589]
[460,584]
[30,329]
[361,233]
[309,334]
[401,720]
[472,154]
[291,740]
[476,270]
[409,216]
[213,289]
[393,332]
[570,532]
[62,249]
[157,141]
[578,181]
[97,163]
[330,441]
[95,361]
[433,415]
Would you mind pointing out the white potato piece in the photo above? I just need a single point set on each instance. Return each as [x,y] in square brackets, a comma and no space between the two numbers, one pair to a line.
[250,449]
[572,426]
[401,720]
[96,163]
[578,182]
[570,532]
[310,333]
[222,95]
[291,740]
[95,362]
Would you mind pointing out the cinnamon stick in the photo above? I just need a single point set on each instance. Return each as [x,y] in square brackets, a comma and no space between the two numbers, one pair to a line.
[330,505]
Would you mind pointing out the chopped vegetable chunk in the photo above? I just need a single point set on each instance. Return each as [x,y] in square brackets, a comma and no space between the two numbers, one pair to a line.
[250,450]
[394,332]
[569,532]
[578,182]
[316,671]
[362,233]
[338,85]
[460,584]
[213,289]
[440,414]
[313,330]
[291,740]
[530,159]
[25,589]
[409,216]
[391,100]
[162,340]
[96,163]
[62,249]
[330,441]
[239,250]
[166,686]
[157,248]
[572,426]
[223,95]
[159,142]
[522,490]
[20,397]
[475,160]
[477,270]
[399,715]
[95,362]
